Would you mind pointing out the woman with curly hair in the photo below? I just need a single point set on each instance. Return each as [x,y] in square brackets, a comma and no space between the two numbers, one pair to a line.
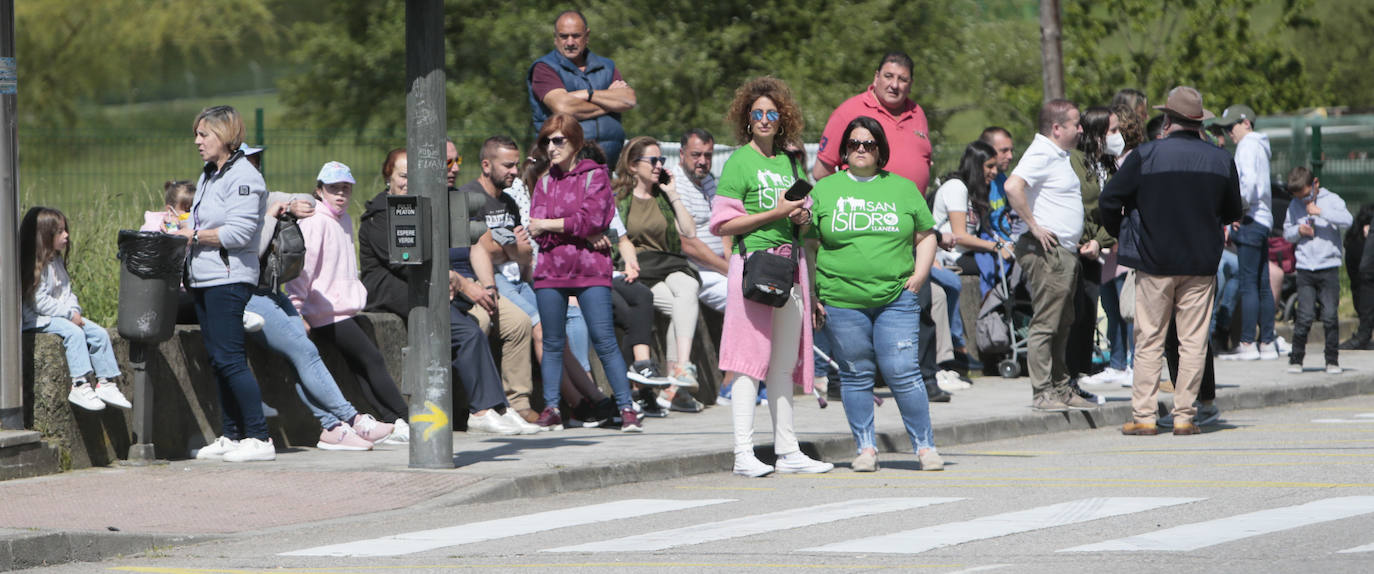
[761,343]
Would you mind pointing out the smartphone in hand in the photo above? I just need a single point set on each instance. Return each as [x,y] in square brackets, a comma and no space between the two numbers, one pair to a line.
[799,190]
[664,178]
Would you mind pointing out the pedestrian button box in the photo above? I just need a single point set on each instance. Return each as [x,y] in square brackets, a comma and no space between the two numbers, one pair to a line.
[408,229]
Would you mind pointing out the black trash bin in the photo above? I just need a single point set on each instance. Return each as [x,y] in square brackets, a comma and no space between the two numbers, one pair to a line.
[148,283]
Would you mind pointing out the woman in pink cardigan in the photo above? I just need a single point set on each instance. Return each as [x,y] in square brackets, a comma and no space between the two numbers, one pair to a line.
[760,342]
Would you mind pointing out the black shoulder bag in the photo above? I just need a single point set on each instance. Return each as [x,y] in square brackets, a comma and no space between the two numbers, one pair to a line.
[768,278]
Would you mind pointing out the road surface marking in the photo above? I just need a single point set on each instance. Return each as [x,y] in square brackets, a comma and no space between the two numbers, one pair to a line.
[923,539]
[420,541]
[1212,532]
[754,524]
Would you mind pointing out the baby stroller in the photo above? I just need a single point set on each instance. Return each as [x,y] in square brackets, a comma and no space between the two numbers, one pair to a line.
[1003,320]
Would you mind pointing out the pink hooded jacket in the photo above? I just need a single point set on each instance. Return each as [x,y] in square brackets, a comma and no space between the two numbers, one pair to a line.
[328,289]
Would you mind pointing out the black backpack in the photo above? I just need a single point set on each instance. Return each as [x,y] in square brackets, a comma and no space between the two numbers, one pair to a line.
[285,255]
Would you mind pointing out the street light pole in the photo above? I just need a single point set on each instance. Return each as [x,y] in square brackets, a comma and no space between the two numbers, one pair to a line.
[1051,50]
[11,350]
[427,372]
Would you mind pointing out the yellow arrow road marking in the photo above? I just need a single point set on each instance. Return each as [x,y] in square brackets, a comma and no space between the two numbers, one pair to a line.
[436,417]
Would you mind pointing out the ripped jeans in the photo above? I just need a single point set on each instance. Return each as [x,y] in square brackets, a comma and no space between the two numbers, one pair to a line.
[881,339]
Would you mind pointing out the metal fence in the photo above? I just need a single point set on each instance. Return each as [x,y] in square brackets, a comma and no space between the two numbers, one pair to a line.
[1346,147]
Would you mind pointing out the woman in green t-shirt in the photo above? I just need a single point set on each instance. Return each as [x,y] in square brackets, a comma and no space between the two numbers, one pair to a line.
[758,342]
[875,252]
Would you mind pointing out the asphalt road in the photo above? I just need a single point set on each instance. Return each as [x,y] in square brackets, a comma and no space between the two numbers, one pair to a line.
[1275,490]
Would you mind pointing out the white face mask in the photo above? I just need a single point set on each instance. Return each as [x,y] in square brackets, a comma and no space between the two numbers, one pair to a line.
[1115,144]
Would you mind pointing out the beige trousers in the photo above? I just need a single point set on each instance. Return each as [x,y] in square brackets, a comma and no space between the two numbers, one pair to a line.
[515,332]
[1188,298]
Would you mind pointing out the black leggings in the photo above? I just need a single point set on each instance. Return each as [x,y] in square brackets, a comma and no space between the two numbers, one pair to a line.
[633,305]
[367,364]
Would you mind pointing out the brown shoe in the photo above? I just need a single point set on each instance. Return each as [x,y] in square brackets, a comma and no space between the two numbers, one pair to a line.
[528,414]
[1186,428]
[1048,404]
[1139,429]
[1078,403]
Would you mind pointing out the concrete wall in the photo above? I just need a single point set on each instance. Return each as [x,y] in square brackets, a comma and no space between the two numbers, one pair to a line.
[186,400]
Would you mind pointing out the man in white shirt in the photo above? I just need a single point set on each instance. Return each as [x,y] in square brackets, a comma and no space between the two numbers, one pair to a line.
[697,186]
[1044,191]
[1252,235]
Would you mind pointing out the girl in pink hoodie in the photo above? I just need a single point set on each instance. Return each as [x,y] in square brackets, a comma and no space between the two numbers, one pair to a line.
[328,292]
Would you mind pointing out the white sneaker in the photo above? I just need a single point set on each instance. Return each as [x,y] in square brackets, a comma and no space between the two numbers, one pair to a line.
[1128,381]
[950,381]
[1333,369]
[252,450]
[84,396]
[746,464]
[1294,369]
[1281,345]
[400,434]
[1108,376]
[109,393]
[491,423]
[1245,352]
[798,463]
[1268,351]
[216,449]
[252,322]
[519,422]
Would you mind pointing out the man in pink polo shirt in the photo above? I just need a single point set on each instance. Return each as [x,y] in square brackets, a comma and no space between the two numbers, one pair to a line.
[886,100]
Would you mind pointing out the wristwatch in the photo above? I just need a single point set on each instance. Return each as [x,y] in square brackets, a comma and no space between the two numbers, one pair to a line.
[195,237]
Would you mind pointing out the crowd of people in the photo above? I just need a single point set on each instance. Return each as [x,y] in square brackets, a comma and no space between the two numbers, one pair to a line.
[848,270]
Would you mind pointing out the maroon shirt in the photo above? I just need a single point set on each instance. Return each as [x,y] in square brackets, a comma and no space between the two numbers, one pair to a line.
[545,79]
[582,198]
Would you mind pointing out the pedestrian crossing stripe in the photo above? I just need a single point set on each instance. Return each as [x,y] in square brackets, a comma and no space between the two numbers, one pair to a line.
[923,539]
[420,541]
[1212,532]
[1365,548]
[754,524]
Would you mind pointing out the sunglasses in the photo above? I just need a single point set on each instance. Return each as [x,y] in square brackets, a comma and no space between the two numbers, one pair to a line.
[654,160]
[556,141]
[870,145]
[457,161]
[758,115]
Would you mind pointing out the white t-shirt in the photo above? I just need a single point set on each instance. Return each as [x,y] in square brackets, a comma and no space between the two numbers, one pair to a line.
[521,196]
[953,196]
[696,203]
[1052,190]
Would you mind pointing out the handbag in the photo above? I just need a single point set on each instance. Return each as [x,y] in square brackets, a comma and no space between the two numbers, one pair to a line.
[768,277]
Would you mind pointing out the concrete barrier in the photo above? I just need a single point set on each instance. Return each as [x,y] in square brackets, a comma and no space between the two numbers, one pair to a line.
[185,395]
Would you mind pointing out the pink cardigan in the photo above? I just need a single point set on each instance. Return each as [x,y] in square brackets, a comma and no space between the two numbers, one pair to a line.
[328,289]
[747,333]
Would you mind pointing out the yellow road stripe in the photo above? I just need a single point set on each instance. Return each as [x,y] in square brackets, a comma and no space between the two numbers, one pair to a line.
[350,569]
[723,488]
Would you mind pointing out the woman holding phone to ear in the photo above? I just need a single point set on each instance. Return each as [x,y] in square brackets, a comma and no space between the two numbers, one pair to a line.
[761,343]
[876,250]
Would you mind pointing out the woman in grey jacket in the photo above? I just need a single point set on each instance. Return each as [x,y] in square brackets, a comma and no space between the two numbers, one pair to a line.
[221,273]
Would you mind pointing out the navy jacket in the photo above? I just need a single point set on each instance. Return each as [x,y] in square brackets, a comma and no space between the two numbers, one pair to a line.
[1167,205]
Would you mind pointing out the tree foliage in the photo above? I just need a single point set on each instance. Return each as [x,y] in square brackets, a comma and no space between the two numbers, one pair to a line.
[1213,45]
[683,59]
[71,51]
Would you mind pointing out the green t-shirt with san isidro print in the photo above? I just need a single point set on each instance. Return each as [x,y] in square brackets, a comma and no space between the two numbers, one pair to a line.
[866,231]
[759,182]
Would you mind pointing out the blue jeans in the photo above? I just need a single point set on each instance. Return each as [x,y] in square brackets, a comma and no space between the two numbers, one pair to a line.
[596,309]
[857,335]
[821,339]
[949,281]
[1119,332]
[220,310]
[1256,298]
[284,332]
[1228,283]
[522,294]
[88,347]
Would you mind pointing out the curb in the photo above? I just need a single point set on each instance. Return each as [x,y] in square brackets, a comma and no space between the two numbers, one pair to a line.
[841,447]
[46,549]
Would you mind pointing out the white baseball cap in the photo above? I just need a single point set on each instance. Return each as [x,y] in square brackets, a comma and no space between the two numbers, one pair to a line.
[249,150]
[335,172]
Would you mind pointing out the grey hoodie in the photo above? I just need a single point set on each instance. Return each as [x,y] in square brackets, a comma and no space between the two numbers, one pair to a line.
[1323,249]
[231,200]
[1252,163]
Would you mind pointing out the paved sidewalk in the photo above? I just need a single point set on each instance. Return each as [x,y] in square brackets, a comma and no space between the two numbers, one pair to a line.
[97,513]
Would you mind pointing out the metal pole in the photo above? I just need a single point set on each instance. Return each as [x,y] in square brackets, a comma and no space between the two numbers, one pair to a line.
[1317,150]
[142,451]
[1051,52]
[11,351]
[262,158]
[427,372]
